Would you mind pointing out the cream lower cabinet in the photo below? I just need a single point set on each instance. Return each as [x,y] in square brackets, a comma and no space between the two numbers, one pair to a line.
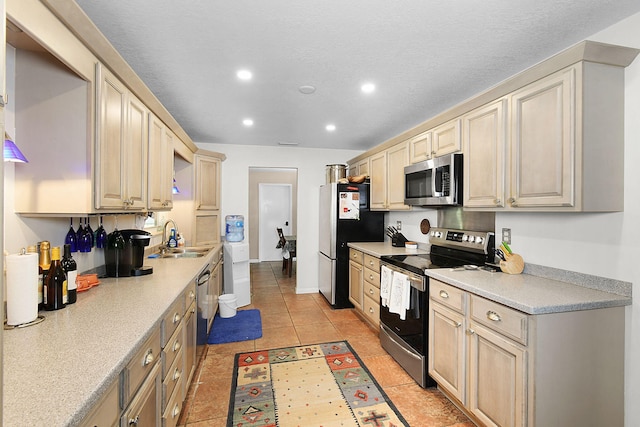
[356,278]
[387,178]
[508,368]
[371,290]
[121,145]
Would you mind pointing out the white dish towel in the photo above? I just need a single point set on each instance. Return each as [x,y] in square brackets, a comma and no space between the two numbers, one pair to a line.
[386,276]
[400,293]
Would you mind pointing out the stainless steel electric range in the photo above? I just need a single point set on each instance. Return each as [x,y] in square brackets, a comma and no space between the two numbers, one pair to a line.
[404,335]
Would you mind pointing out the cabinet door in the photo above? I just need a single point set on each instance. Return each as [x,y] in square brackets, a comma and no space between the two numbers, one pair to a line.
[420,147]
[160,178]
[446,138]
[447,360]
[363,167]
[110,131]
[497,378]
[484,135]
[144,410]
[135,154]
[207,228]
[355,284]
[207,182]
[378,181]
[542,142]
[397,159]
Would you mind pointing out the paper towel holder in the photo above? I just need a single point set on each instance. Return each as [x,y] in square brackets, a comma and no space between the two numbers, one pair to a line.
[37,320]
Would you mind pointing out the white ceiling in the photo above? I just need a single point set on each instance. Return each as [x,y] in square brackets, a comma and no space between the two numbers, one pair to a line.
[424,56]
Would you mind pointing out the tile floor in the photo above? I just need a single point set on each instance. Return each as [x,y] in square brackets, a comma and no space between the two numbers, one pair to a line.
[289,319]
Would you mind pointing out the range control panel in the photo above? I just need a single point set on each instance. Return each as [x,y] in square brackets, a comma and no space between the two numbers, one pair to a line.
[476,241]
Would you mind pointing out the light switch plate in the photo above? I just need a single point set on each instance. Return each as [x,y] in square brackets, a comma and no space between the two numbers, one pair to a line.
[399,225]
[506,235]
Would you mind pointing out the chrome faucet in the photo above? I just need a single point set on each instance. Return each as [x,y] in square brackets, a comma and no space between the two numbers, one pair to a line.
[165,240]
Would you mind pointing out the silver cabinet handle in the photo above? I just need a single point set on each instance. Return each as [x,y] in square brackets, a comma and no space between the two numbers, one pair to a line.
[176,346]
[470,331]
[498,202]
[176,411]
[457,324]
[371,277]
[148,358]
[444,294]
[371,310]
[192,295]
[493,316]
[370,263]
[134,421]
[176,318]
[176,374]
[371,291]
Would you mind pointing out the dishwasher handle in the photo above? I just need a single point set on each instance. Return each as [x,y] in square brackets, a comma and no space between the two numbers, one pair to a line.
[204,277]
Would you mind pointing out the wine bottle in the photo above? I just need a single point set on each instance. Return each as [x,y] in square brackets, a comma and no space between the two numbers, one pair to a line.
[43,270]
[71,270]
[55,282]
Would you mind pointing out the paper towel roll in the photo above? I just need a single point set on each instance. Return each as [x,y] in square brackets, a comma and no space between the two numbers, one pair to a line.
[22,288]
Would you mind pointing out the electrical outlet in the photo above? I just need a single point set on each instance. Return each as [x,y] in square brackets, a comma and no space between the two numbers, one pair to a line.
[506,235]
[399,225]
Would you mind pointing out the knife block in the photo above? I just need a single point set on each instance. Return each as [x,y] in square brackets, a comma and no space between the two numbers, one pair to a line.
[398,240]
[513,265]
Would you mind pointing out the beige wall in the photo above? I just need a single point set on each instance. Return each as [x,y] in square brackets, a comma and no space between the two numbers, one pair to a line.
[269,176]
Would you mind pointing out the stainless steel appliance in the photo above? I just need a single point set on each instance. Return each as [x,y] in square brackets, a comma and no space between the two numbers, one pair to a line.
[344,217]
[204,307]
[405,337]
[435,182]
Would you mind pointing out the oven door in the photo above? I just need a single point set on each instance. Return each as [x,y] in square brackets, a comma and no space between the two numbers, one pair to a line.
[412,330]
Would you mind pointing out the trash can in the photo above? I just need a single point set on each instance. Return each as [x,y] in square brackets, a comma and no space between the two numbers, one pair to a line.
[227,305]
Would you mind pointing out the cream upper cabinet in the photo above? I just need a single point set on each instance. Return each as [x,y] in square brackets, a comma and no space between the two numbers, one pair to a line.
[446,138]
[160,180]
[121,145]
[420,147]
[543,117]
[207,183]
[484,136]
[387,178]
[363,167]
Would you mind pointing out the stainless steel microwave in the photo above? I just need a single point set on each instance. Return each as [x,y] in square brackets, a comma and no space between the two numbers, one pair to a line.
[435,182]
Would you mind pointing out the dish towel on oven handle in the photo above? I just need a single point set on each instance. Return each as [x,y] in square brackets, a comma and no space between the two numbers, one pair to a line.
[385,285]
[400,295]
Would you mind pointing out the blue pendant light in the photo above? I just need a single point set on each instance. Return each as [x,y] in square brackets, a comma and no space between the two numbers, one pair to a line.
[11,152]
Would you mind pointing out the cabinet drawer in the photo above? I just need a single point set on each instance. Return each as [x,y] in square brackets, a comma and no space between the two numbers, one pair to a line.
[372,292]
[355,256]
[190,294]
[447,295]
[172,349]
[172,411]
[372,277]
[371,309]
[372,262]
[173,380]
[171,320]
[141,364]
[105,412]
[143,409]
[507,321]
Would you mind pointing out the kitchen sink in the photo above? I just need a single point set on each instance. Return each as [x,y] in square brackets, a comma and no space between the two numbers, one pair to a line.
[183,252]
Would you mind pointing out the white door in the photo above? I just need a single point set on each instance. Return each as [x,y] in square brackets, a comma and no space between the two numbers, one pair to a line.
[275,212]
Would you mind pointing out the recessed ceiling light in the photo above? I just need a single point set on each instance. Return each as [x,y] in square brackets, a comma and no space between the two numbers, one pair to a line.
[307,89]
[247,122]
[368,88]
[244,75]
[330,127]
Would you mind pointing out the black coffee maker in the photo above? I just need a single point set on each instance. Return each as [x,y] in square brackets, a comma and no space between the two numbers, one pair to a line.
[124,253]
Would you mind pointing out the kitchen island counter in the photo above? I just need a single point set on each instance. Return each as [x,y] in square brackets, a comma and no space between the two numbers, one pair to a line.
[530,294]
[380,249]
[56,371]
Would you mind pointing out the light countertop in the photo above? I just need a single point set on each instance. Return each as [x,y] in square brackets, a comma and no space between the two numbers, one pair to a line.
[380,249]
[527,293]
[55,371]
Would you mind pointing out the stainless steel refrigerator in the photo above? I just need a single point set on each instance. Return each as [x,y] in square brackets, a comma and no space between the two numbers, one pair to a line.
[344,217]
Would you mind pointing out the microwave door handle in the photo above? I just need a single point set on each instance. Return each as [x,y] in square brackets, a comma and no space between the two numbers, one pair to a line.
[434,177]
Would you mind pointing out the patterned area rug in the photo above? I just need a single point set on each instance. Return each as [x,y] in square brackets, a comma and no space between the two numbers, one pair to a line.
[311,385]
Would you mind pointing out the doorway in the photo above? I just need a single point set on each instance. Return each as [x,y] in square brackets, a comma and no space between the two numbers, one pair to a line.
[268,175]
[275,212]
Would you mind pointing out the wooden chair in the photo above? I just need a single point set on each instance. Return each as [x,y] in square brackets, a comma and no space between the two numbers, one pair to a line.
[287,263]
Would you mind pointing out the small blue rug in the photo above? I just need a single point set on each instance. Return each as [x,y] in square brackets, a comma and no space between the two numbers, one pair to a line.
[245,325]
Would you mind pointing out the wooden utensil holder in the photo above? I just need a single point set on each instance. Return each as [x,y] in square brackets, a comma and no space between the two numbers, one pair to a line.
[514,264]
